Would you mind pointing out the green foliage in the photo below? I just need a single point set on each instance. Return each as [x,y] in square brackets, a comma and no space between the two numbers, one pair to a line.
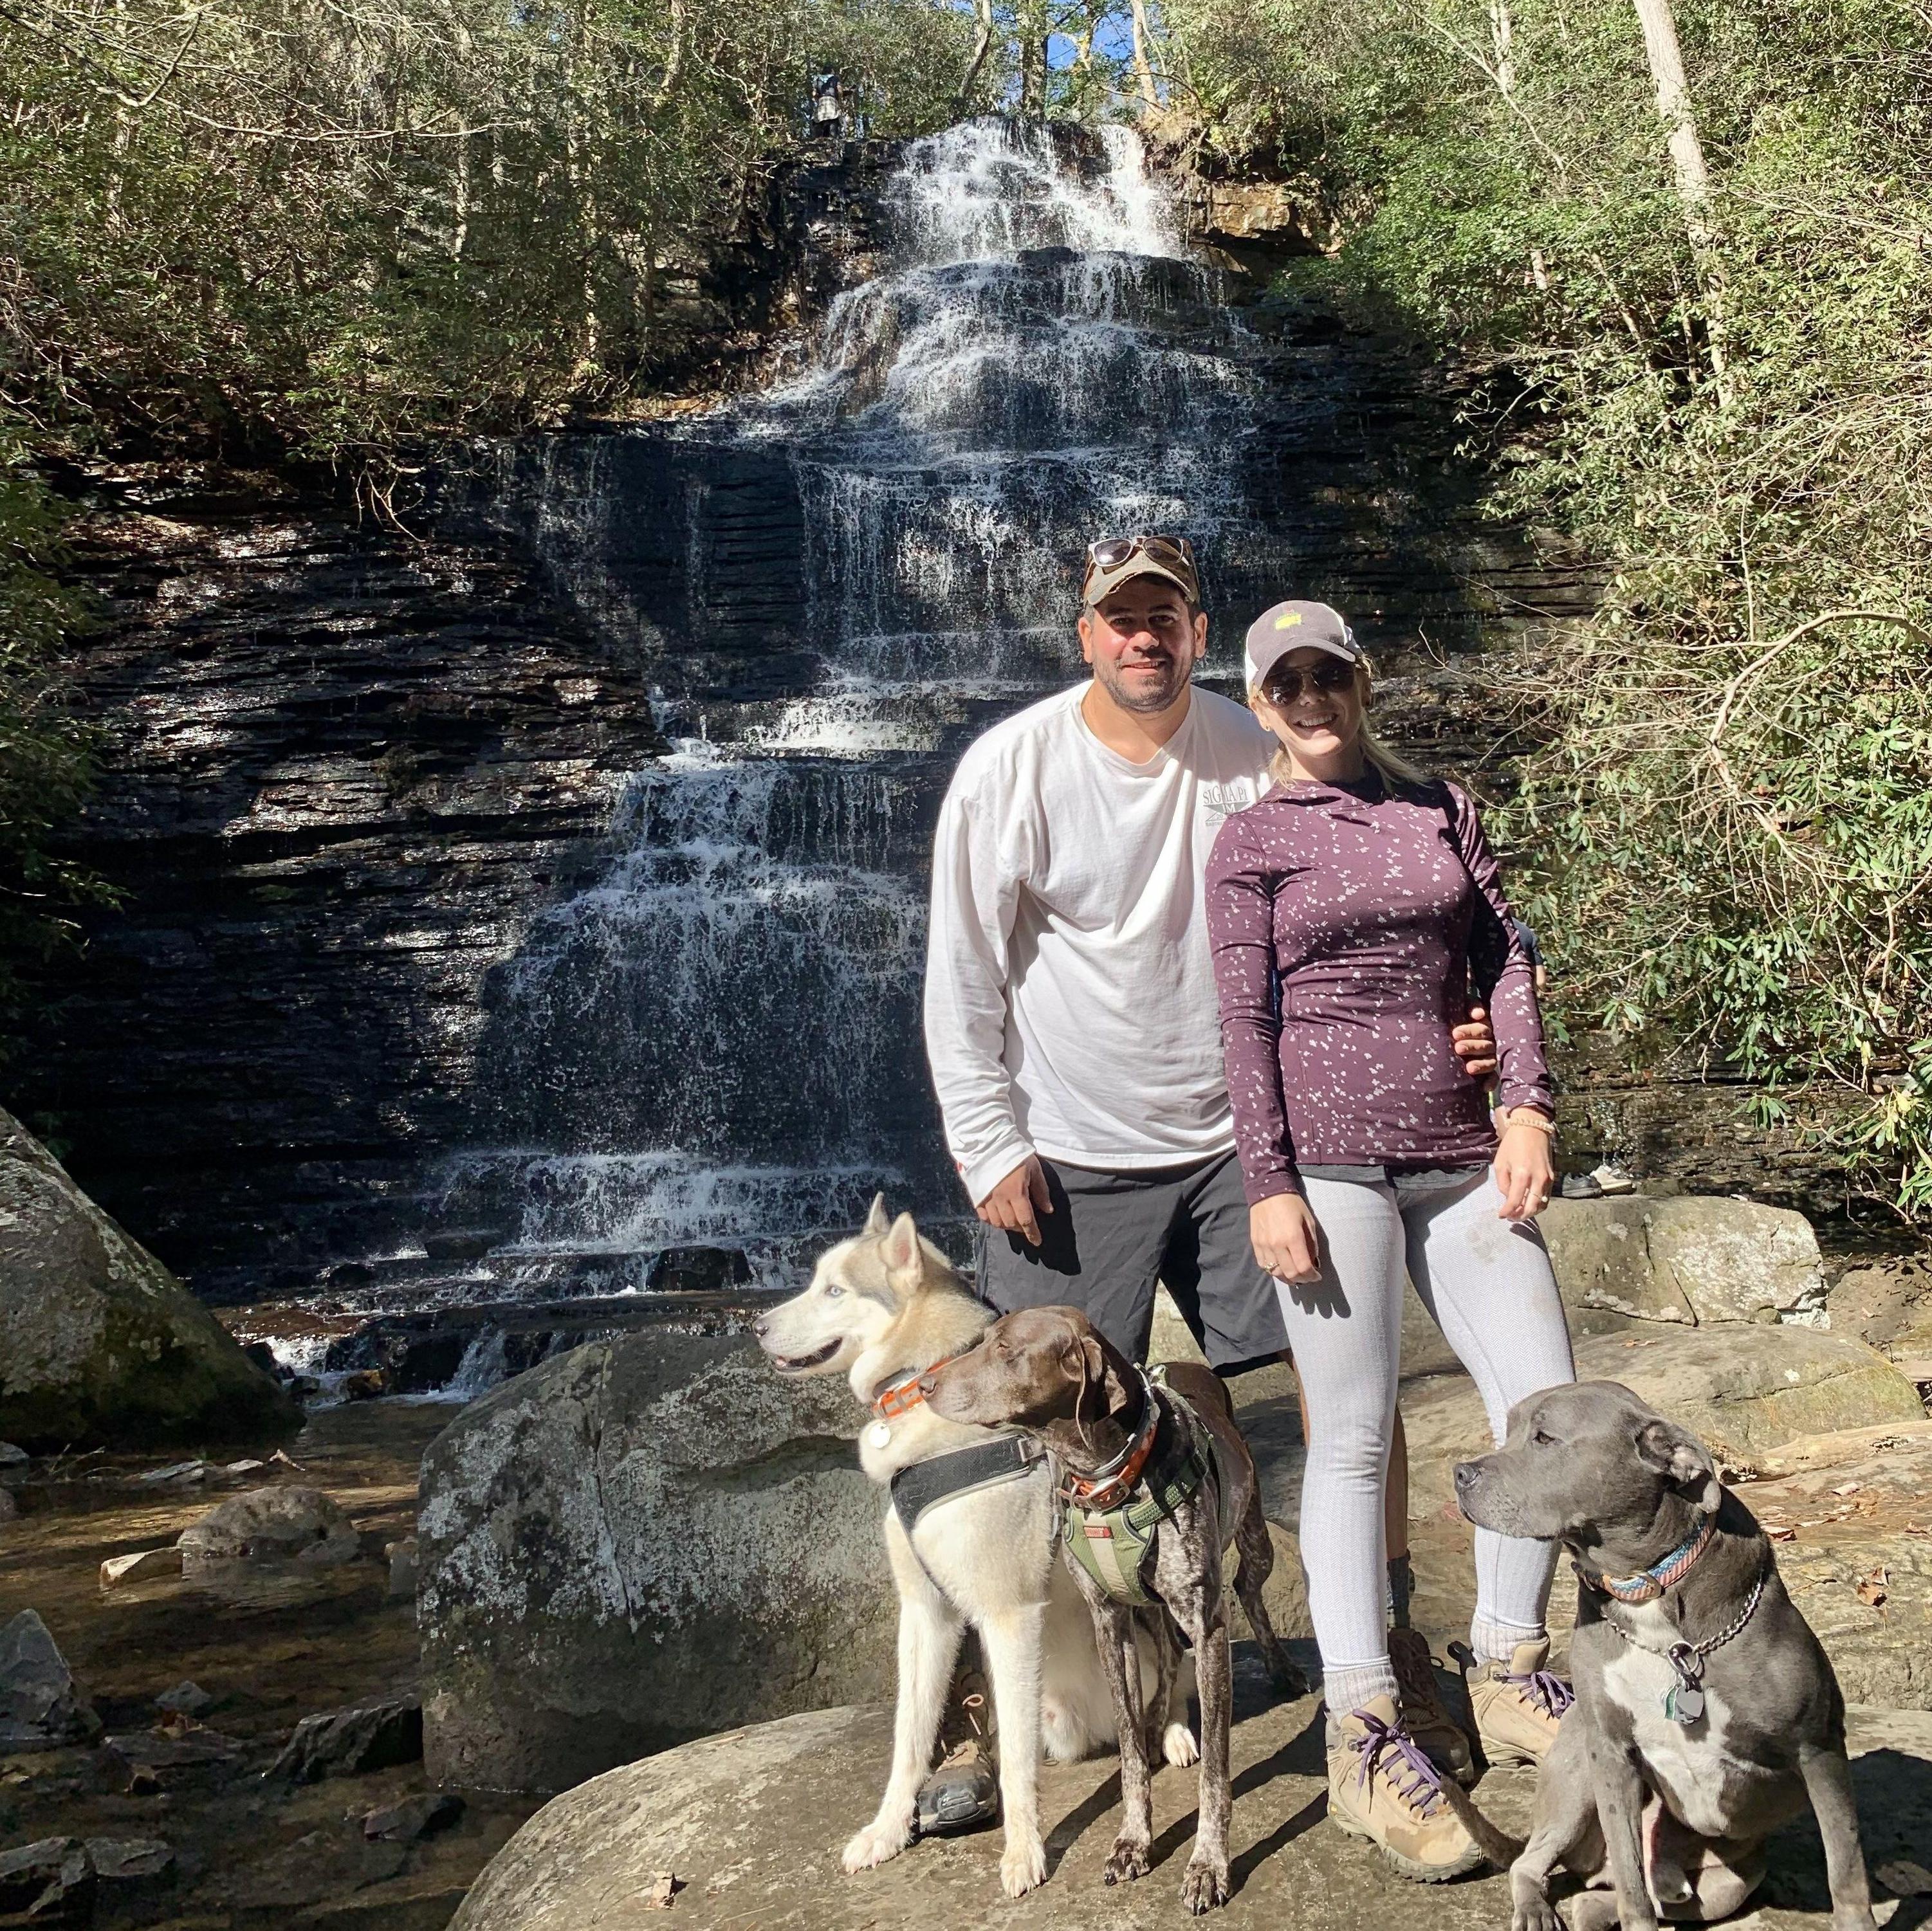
[1730,819]
[303,227]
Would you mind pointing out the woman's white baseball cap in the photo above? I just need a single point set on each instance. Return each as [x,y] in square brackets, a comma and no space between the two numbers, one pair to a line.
[1295,625]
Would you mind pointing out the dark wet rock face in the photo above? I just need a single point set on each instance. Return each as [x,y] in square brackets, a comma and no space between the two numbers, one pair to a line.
[349,1743]
[100,1345]
[645,1540]
[343,767]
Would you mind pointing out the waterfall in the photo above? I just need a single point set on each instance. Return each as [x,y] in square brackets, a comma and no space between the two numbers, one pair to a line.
[717,1041]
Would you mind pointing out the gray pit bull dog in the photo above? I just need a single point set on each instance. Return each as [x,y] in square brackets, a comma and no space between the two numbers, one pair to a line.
[1706,1714]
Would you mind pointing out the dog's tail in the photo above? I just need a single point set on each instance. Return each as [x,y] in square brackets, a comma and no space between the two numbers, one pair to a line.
[1499,1846]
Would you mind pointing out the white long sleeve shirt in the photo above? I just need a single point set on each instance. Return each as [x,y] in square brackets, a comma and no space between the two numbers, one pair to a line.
[1070,1006]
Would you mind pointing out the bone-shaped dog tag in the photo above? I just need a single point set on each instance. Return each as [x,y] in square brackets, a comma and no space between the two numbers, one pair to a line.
[1684,1703]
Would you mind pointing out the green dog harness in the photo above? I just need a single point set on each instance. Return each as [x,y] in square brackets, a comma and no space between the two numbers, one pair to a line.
[1111,1545]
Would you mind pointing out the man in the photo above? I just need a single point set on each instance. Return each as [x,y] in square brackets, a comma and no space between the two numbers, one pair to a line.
[1071,1018]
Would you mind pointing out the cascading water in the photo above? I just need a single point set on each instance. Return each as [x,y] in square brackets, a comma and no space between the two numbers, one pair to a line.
[718,1042]
[714,1043]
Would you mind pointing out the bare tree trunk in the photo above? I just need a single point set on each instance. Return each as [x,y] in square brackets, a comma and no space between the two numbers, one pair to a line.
[674,70]
[1502,39]
[1143,63]
[1033,76]
[983,45]
[1686,159]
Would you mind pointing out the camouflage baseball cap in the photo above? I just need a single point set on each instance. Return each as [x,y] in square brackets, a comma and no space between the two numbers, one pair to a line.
[1115,560]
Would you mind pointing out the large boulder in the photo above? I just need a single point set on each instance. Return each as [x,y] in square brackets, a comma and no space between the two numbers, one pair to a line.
[1690,1258]
[747,1829]
[644,1540]
[1745,1391]
[100,1345]
[297,1524]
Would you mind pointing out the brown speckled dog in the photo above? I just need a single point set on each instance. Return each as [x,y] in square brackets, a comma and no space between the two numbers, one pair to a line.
[1047,1371]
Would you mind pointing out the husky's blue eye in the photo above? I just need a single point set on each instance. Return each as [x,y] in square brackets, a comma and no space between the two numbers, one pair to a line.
[832,1294]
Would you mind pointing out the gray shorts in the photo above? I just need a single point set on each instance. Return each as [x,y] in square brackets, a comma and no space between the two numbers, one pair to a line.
[1111,1236]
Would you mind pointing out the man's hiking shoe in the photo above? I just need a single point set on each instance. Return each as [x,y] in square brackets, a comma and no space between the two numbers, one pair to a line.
[1607,1180]
[1382,1787]
[963,1793]
[1424,1715]
[1518,1704]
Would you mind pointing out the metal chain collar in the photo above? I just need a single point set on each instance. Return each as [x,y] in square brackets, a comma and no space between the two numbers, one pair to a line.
[1684,1701]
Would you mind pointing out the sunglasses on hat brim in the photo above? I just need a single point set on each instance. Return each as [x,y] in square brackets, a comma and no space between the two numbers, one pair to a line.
[1166,552]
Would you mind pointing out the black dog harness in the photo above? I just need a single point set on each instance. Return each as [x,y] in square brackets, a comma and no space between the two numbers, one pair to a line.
[921,1485]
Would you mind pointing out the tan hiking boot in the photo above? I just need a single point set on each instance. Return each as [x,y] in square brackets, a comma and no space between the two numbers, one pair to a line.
[1382,1787]
[963,1792]
[1424,1714]
[1518,1704]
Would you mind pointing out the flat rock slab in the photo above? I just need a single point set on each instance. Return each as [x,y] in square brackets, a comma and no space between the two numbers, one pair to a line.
[1745,1391]
[751,1823]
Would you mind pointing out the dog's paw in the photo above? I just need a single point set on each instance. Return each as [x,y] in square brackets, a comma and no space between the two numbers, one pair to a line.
[876,1844]
[1204,1886]
[1023,1868]
[1535,1913]
[1178,1746]
[1129,1861]
[1063,1737]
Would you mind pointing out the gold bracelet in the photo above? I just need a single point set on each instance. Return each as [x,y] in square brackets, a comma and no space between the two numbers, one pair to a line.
[1527,1115]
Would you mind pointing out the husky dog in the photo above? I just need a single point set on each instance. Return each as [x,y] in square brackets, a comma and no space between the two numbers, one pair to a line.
[882,1308]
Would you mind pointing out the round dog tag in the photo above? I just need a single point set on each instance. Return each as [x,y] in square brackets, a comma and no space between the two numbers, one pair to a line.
[879,1434]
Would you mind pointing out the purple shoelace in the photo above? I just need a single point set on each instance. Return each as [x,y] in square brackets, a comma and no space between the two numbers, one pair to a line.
[1550,1692]
[1415,1778]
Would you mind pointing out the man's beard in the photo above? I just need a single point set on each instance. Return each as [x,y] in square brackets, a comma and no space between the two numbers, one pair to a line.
[1142,696]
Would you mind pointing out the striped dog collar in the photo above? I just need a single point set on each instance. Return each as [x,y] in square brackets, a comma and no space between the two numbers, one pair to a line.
[1647,1585]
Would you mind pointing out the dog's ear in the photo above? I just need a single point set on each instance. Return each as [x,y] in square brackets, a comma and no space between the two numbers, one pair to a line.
[878,1220]
[904,1261]
[1682,1460]
[1103,1372]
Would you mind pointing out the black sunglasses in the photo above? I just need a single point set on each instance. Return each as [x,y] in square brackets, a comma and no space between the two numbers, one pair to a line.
[1284,684]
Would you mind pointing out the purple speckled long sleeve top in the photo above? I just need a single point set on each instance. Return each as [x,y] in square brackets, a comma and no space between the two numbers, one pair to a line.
[1374,909]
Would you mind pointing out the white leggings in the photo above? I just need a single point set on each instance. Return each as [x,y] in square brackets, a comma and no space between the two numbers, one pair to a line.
[1487,1284]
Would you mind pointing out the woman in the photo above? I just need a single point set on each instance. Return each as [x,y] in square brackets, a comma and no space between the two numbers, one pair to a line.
[1348,910]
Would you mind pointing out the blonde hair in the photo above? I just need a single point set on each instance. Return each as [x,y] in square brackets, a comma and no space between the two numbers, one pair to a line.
[1391,763]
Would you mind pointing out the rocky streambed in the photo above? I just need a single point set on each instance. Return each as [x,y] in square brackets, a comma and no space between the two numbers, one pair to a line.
[646,1540]
[201,1770]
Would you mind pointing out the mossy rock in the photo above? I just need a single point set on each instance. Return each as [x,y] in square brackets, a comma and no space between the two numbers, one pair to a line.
[100,1346]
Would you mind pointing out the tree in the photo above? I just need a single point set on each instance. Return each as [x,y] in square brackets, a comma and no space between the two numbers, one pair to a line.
[1674,108]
